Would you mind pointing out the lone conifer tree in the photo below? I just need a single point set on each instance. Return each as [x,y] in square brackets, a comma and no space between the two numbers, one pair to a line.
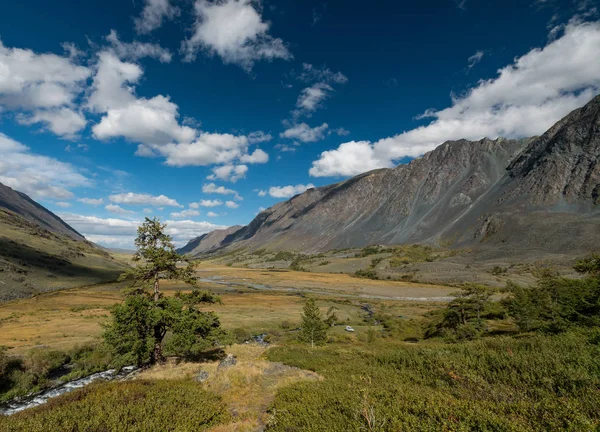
[314,328]
[139,325]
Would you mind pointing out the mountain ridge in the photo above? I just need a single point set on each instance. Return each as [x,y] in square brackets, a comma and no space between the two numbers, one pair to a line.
[464,193]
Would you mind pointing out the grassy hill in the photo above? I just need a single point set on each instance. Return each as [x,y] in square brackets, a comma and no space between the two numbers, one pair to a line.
[34,259]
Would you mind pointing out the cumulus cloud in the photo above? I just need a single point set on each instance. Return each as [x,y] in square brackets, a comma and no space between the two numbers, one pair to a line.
[257,157]
[91,201]
[262,193]
[151,121]
[212,214]
[143,199]
[235,31]
[288,191]
[232,204]
[210,203]
[230,173]
[42,88]
[311,98]
[213,188]
[62,204]
[36,175]
[121,233]
[136,50]
[185,214]
[525,99]
[303,132]
[153,15]
[62,121]
[259,137]
[113,208]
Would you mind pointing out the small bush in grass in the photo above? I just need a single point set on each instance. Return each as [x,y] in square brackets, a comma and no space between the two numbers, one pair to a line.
[136,406]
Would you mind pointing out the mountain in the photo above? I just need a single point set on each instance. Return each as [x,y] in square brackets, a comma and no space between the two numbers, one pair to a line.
[503,196]
[40,252]
[209,242]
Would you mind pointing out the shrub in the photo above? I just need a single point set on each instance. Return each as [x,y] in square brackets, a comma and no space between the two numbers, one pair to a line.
[367,274]
[136,406]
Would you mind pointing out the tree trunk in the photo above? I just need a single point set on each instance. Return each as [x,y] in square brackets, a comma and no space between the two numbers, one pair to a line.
[158,337]
[156,292]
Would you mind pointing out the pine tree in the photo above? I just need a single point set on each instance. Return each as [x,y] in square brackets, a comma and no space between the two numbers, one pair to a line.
[314,328]
[139,325]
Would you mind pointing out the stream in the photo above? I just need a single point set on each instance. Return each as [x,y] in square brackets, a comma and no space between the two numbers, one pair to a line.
[30,401]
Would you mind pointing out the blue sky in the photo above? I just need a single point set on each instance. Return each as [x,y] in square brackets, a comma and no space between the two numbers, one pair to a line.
[205,112]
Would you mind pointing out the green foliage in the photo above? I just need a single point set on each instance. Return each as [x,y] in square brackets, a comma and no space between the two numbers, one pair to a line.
[138,328]
[497,270]
[283,256]
[555,304]
[590,265]
[136,406]
[41,368]
[464,316]
[366,274]
[369,250]
[314,328]
[535,383]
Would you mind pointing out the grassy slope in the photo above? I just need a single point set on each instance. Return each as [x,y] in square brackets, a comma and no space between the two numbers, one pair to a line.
[34,260]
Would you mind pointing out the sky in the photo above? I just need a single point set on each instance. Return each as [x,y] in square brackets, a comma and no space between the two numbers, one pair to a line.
[204,113]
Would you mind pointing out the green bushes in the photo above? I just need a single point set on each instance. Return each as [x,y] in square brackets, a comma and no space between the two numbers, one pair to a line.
[366,274]
[137,406]
[40,368]
[533,383]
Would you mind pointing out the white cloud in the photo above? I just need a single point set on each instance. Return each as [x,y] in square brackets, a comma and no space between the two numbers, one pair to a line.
[148,211]
[288,191]
[207,149]
[259,137]
[210,203]
[143,199]
[60,121]
[257,157]
[62,204]
[36,175]
[91,201]
[121,233]
[153,15]
[476,58]
[311,98]
[43,87]
[232,204]
[230,173]
[211,214]
[136,50]
[234,30]
[305,133]
[151,121]
[185,214]
[213,188]
[262,193]
[525,99]
[113,208]
[349,159]
[311,73]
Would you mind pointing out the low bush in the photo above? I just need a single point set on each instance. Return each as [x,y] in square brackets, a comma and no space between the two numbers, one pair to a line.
[133,406]
[531,383]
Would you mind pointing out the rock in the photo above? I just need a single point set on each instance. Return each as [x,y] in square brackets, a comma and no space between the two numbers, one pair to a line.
[202,376]
[228,361]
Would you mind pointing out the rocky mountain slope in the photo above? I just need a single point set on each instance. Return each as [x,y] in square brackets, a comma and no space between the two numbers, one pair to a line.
[40,252]
[209,242]
[502,196]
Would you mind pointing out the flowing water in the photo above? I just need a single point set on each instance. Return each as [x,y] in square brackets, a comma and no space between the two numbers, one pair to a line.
[41,398]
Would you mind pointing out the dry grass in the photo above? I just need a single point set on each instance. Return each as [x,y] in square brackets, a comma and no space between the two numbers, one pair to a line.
[247,388]
[323,282]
